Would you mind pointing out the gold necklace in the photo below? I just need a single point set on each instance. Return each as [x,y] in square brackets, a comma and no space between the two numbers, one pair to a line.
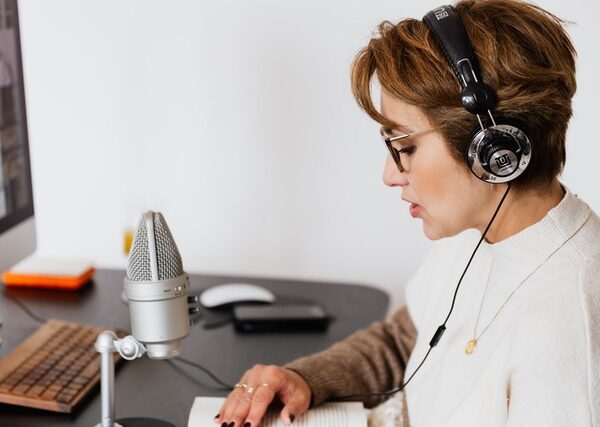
[472,344]
[470,348]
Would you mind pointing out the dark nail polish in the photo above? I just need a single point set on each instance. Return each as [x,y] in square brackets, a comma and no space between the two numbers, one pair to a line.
[292,417]
[247,424]
[224,425]
[231,424]
[217,416]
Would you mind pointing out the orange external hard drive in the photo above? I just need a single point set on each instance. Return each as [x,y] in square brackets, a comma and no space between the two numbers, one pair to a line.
[33,272]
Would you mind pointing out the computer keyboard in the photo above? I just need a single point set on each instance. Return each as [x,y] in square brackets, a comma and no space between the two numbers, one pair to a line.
[53,369]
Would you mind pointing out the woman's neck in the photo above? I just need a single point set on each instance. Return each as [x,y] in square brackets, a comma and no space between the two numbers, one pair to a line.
[522,209]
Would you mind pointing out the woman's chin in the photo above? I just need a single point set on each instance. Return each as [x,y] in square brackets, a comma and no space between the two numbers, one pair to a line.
[439,231]
[430,232]
[434,233]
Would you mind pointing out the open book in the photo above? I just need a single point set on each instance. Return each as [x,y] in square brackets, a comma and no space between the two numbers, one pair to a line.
[338,414]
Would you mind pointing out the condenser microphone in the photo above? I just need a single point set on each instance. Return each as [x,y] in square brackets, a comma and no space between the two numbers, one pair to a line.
[156,288]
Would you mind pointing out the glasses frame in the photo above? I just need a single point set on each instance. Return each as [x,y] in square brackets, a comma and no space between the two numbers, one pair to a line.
[394,152]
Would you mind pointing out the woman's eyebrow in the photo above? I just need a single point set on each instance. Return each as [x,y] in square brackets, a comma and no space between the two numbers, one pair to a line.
[403,128]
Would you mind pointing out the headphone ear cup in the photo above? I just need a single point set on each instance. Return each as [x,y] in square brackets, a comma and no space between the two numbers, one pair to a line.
[499,153]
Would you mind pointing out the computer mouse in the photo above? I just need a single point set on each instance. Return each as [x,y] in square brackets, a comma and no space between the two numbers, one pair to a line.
[228,294]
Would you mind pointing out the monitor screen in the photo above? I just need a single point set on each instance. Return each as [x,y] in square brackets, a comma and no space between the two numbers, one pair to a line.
[17,222]
[16,197]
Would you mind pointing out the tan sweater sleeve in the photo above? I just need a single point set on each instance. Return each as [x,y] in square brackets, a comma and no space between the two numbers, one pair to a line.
[370,360]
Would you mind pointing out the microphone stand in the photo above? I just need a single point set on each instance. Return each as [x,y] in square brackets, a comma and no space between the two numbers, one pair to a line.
[129,348]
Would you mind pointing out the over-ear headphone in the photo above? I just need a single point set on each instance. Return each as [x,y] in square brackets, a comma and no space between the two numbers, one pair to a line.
[496,153]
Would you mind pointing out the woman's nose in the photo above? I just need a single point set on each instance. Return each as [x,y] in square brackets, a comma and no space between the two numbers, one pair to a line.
[392,176]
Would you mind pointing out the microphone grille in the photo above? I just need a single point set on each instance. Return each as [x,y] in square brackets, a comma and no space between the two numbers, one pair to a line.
[167,254]
[138,267]
[168,259]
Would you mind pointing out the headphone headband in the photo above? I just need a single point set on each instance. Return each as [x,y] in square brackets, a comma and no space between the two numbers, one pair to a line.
[454,43]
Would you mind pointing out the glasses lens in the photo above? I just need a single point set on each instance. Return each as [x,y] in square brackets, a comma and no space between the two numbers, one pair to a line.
[396,155]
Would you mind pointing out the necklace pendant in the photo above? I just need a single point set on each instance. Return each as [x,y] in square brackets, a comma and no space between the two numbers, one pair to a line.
[470,348]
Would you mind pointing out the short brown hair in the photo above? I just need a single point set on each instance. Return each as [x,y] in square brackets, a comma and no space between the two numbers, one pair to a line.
[525,56]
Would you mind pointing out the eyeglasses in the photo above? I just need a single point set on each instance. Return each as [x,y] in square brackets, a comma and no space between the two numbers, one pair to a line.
[396,150]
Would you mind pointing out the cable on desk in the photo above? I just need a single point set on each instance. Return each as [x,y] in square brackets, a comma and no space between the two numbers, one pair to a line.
[42,320]
[203,369]
[23,307]
[213,324]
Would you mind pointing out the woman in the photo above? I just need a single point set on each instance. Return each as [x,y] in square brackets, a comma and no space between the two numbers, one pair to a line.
[522,344]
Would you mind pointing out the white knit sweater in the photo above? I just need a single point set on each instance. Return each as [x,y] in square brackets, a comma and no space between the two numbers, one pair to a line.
[538,363]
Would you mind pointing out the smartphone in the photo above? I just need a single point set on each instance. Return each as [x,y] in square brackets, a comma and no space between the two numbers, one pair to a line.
[280,318]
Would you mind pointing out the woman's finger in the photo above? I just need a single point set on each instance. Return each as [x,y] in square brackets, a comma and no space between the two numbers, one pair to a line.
[295,407]
[295,396]
[239,412]
[231,400]
[263,396]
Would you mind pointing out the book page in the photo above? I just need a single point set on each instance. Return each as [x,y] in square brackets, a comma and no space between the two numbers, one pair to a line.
[333,414]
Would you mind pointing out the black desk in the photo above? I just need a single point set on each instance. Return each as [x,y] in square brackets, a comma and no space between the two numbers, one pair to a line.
[156,389]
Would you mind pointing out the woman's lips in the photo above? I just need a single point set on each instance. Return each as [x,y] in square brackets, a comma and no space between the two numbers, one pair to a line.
[414,210]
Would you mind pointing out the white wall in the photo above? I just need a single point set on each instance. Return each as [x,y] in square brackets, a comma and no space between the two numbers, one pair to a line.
[235,119]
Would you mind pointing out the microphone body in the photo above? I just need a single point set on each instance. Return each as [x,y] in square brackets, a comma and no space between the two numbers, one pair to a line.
[157,289]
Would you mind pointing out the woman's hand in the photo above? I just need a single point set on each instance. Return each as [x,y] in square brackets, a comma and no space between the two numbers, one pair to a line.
[247,403]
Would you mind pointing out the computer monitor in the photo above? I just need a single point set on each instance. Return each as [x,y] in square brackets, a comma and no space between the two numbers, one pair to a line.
[17,227]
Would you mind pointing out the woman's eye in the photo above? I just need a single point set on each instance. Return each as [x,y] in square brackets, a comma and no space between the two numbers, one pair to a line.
[407,150]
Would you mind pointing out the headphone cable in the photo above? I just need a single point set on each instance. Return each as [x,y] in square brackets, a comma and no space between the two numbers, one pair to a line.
[442,328]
